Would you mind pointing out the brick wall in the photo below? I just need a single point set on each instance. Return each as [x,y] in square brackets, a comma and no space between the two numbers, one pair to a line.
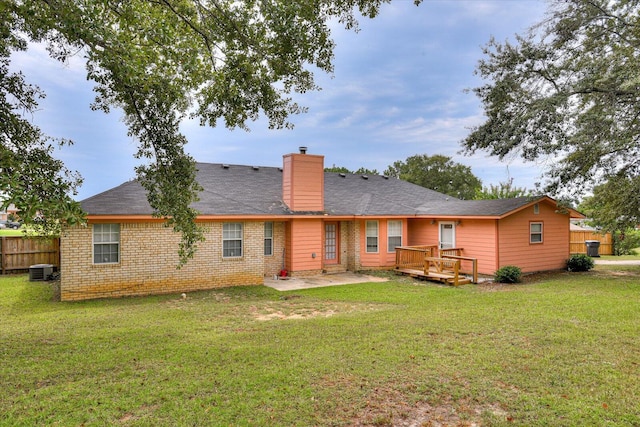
[148,260]
[354,243]
[273,263]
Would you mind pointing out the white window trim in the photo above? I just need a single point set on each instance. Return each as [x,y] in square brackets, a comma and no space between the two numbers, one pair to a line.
[270,238]
[366,237]
[234,239]
[531,233]
[94,243]
[389,235]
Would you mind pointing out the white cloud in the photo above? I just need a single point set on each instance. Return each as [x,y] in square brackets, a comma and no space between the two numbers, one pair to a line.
[396,91]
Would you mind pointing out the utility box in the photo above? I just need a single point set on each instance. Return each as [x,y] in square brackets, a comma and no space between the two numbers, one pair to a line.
[40,272]
[593,248]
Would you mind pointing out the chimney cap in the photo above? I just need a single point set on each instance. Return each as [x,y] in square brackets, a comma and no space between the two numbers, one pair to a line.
[303,150]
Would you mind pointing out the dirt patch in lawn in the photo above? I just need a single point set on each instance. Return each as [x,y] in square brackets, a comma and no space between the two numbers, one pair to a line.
[291,308]
[527,279]
[388,405]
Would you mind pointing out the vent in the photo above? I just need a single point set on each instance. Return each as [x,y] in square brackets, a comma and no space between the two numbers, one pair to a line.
[342,174]
[255,168]
[40,272]
[385,176]
[225,166]
[365,177]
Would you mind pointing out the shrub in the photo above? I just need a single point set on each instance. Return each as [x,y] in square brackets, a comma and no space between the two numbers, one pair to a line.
[579,262]
[626,242]
[508,274]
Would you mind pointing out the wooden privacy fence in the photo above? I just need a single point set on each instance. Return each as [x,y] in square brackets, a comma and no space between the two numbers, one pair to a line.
[579,237]
[18,254]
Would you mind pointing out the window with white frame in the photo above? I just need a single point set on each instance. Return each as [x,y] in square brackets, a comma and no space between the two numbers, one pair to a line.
[372,236]
[106,243]
[535,232]
[232,240]
[394,235]
[268,238]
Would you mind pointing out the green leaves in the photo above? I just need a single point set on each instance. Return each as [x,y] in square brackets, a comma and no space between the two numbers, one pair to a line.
[220,61]
[438,173]
[567,95]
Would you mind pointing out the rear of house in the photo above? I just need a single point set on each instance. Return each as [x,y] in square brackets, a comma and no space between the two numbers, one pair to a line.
[299,220]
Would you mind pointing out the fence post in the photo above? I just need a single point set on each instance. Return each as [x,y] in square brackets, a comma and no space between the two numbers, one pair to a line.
[2,254]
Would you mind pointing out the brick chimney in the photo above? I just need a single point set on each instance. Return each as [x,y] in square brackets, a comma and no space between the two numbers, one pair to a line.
[303,181]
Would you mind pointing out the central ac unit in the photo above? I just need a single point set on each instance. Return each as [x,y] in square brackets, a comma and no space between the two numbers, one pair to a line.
[40,272]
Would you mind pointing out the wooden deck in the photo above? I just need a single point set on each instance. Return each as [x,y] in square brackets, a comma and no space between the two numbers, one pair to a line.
[421,262]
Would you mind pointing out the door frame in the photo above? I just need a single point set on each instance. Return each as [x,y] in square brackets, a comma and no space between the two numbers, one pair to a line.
[335,261]
[453,233]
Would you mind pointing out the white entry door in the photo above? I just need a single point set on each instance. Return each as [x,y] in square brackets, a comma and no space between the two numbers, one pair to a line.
[447,234]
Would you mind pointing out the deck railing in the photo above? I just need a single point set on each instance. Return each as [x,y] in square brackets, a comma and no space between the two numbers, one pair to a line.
[413,257]
[463,262]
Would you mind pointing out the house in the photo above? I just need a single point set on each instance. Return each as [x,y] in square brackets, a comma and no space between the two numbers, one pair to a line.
[259,221]
[9,212]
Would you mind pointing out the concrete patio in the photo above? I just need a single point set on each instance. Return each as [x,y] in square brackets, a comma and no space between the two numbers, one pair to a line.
[334,279]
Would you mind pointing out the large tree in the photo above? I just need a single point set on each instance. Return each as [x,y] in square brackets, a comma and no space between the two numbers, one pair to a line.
[504,190]
[221,61]
[438,173]
[567,95]
[609,200]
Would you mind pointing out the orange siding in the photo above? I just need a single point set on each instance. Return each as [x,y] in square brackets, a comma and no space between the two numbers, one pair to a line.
[383,258]
[303,182]
[305,238]
[515,248]
[422,232]
[287,180]
[477,238]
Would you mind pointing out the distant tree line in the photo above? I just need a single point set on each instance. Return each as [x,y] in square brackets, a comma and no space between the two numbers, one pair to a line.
[440,173]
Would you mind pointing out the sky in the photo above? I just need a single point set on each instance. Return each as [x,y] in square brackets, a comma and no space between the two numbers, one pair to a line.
[398,89]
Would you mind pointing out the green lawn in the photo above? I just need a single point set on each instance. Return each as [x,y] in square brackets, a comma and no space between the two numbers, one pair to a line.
[622,257]
[10,232]
[559,350]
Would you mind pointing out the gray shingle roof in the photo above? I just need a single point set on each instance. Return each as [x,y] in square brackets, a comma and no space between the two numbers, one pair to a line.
[245,190]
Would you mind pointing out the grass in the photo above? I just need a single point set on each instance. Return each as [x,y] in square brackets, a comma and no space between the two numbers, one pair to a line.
[622,257]
[560,349]
[10,232]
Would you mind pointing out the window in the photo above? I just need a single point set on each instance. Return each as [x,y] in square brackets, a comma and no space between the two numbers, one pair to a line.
[372,236]
[268,238]
[106,243]
[394,235]
[536,209]
[535,232]
[232,239]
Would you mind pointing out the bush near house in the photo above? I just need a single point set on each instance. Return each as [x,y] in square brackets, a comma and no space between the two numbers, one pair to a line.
[579,262]
[508,274]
